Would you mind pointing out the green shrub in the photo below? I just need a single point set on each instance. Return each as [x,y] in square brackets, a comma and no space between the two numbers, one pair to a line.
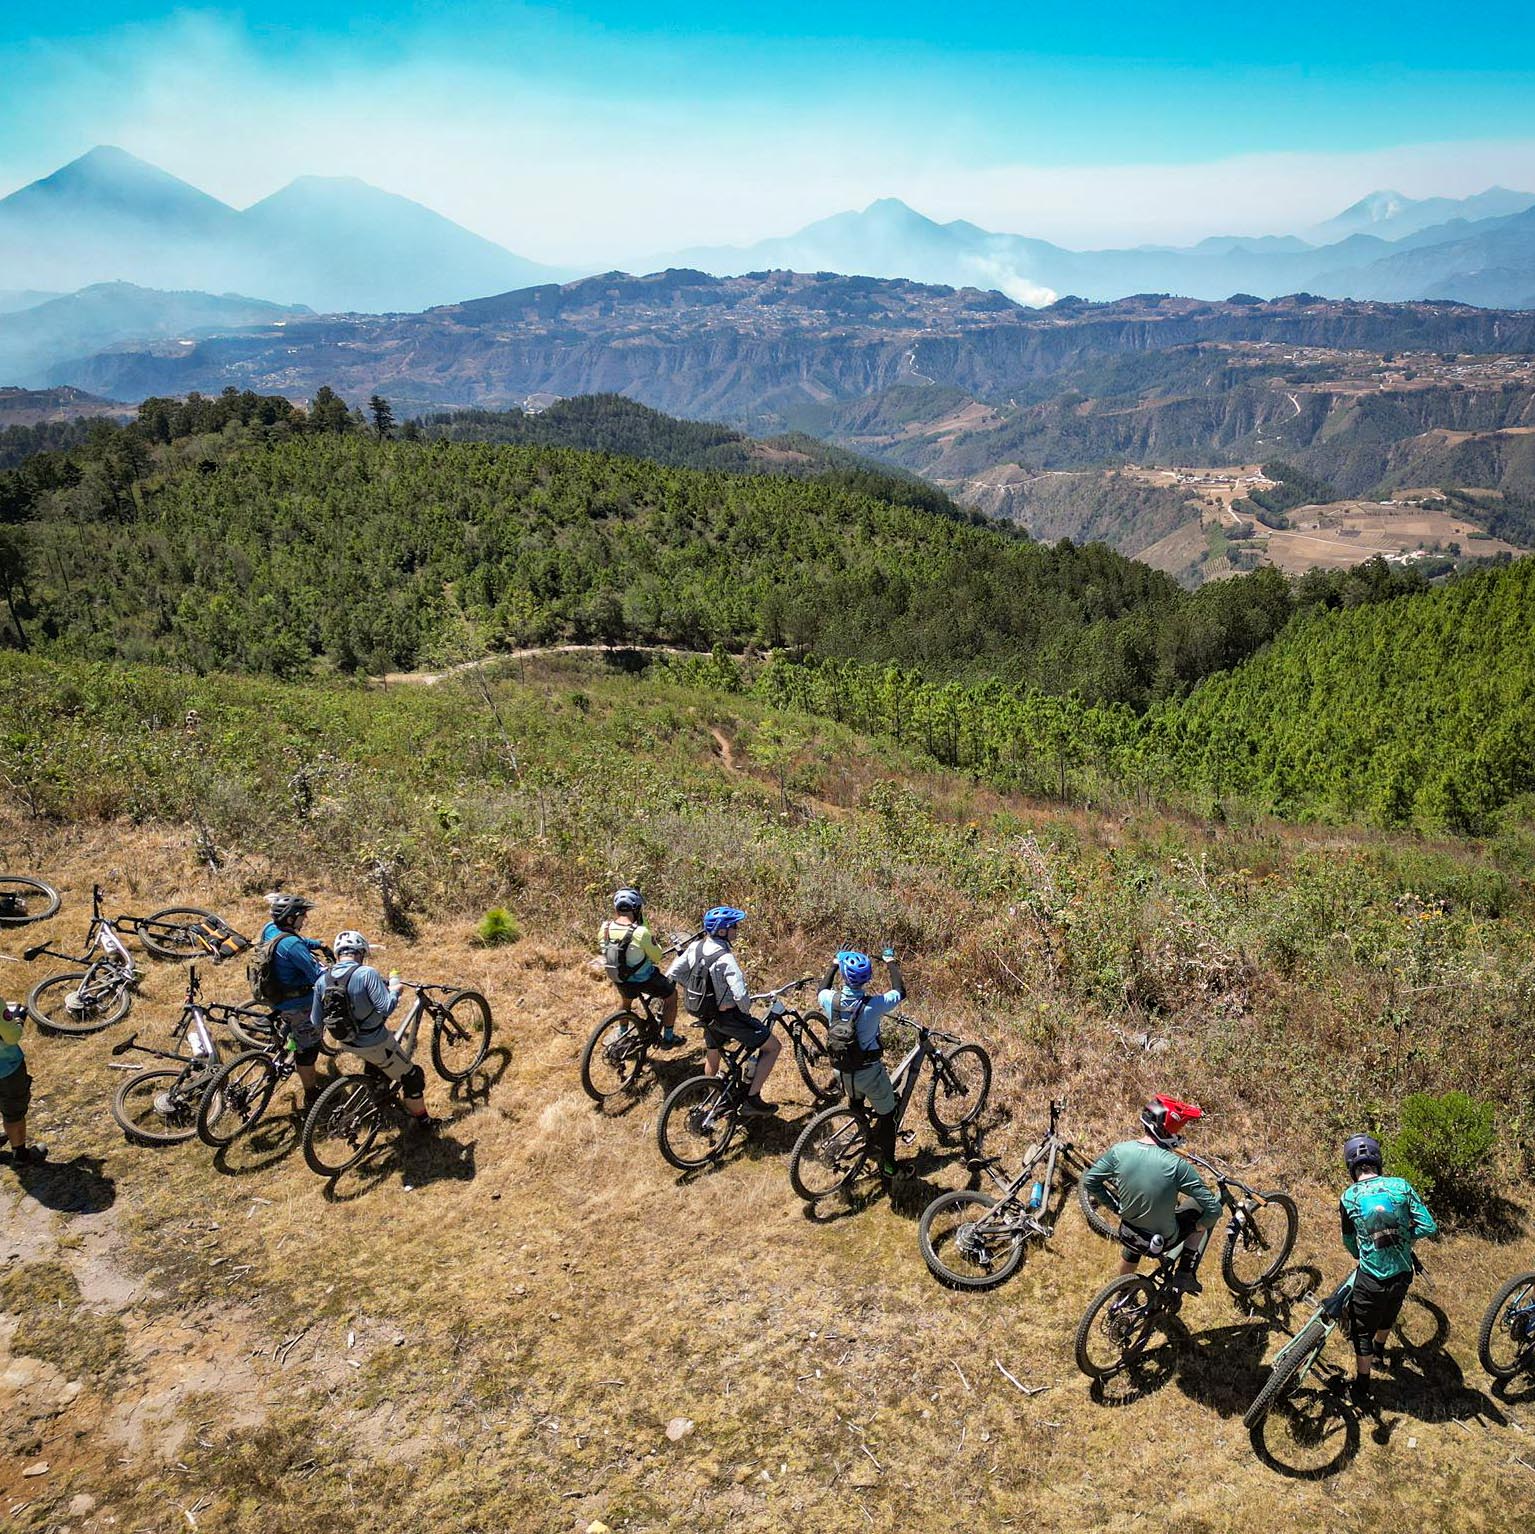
[497,927]
[1442,1145]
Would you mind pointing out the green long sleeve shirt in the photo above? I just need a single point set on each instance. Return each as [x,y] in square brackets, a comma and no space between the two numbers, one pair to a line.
[1148,1182]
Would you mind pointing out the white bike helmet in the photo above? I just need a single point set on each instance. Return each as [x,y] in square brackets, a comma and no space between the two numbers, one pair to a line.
[353,943]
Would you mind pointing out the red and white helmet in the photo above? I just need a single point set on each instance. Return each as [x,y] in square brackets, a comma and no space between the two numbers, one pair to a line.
[1163,1118]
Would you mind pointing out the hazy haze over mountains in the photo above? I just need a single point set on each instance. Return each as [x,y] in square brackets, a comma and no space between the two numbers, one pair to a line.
[327,244]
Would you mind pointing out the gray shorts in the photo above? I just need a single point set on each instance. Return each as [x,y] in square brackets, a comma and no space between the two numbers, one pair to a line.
[378,1048]
[872,1084]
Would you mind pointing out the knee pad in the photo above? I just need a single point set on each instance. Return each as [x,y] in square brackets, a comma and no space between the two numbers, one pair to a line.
[413,1082]
[306,1056]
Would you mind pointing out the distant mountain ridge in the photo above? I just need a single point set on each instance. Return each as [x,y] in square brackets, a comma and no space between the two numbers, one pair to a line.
[328,244]
[1359,260]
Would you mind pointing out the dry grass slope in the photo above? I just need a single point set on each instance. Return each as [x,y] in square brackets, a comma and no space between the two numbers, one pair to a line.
[492,1332]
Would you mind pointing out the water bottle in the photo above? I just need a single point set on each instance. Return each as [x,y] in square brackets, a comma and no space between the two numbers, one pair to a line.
[1036,1196]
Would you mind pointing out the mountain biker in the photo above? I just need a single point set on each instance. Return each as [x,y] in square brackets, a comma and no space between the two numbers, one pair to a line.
[714,989]
[1381,1217]
[294,972]
[360,1004]
[15,1085]
[1160,1199]
[634,959]
[863,1074]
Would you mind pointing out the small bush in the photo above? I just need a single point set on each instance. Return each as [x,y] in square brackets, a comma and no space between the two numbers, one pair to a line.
[1442,1145]
[498,927]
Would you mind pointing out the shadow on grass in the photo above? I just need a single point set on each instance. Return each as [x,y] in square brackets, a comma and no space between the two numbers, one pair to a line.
[1148,1372]
[275,1138]
[78,1186]
[1311,1435]
[474,1089]
[420,1159]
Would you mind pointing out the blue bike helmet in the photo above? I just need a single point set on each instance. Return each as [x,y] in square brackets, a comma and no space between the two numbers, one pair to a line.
[857,968]
[721,919]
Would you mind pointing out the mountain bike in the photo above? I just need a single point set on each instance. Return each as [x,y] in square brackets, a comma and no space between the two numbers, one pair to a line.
[1296,1359]
[24,899]
[241,1091]
[1506,1341]
[1120,1318]
[834,1145]
[160,1107]
[971,1239]
[1260,1233]
[347,1116]
[89,999]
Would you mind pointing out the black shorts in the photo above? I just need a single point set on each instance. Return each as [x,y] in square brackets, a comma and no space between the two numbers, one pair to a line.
[736,1027]
[1134,1242]
[657,985]
[1373,1306]
[15,1095]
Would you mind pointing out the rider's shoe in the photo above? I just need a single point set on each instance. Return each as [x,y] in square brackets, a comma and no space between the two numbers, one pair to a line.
[29,1155]
[757,1107]
[1186,1281]
[670,1040]
[1362,1393]
[424,1123]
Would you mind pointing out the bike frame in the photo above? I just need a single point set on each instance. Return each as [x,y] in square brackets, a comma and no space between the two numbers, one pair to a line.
[100,935]
[908,1073]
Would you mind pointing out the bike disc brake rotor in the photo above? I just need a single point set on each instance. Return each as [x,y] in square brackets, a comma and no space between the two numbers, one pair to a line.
[166,1105]
[971,1245]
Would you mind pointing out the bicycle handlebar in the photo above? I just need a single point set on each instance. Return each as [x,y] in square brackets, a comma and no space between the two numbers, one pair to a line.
[792,985]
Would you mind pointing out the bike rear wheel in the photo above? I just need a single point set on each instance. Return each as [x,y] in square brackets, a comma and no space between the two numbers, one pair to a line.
[236,1098]
[1257,1250]
[159,1107]
[1506,1342]
[254,1028]
[829,1154]
[101,996]
[1289,1369]
[41,900]
[957,1093]
[963,1242]
[1101,1220]
[174,932]
[814,1061]
[461,1035]
[342,1125]
[614,1055]
[1115,1326]
[698,1121]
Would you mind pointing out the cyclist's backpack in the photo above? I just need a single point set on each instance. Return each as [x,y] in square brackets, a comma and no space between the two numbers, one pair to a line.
[698,991]
[336,1007]
[617,942]
[1383,1217]
[261,971]
[842,1047]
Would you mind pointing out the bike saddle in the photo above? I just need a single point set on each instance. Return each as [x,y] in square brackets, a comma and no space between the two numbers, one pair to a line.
[127,1044]
[31,953]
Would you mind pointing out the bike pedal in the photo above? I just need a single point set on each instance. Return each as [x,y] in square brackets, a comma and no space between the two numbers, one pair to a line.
[907,1136]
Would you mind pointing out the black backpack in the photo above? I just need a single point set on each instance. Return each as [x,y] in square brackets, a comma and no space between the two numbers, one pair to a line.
[842,1045]
[698,993]
[616,944]
[336,1007]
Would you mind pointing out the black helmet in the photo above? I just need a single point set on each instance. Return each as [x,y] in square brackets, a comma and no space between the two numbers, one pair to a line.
[287,908]
[628,899]
[1361,1151]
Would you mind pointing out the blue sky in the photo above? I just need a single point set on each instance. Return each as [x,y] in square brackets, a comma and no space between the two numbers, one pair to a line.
[622,129]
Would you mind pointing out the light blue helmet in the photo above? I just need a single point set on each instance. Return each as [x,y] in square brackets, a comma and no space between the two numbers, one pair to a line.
[857,968]
[721,919]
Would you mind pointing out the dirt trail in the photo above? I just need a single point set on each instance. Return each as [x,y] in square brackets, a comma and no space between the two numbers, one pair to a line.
[432,678]
[496,1329]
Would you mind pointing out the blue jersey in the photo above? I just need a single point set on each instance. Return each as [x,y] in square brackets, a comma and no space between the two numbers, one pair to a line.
[871,1011]
[294,966]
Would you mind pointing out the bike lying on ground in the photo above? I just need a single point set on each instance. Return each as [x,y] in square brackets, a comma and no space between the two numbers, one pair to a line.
[975,1240]
[160,1107]
[24,899]
[1506,1341]
[833,1147]
[347,1116]
[1260,1233]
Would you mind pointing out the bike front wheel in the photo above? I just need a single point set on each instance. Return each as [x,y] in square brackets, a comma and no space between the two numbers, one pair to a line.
[159,1107]
[814,1061]
[965,1242]
[1289,1369]
[698,1121]
[829,1154]
[29,900]
[1101,1220]
[961,1083]
[342,1125]
[1506,1342]
[461,1035]
[1116,1326]
[236,1098]
[614,1056]
[80,1001]
[1260,1243]
[177,932]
